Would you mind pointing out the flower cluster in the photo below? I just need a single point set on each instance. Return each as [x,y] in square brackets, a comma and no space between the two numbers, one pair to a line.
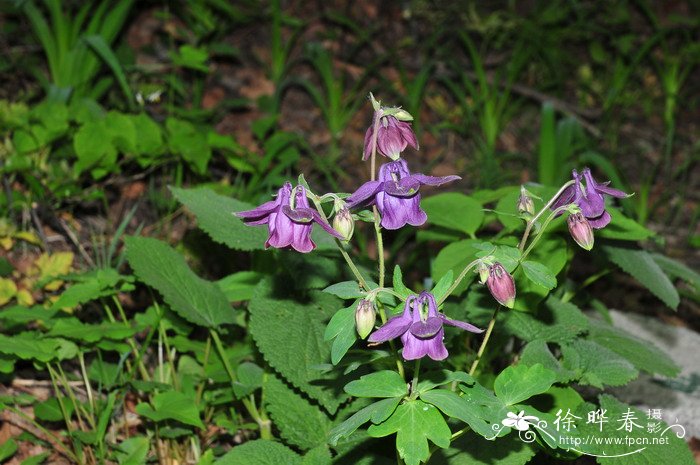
[420,327]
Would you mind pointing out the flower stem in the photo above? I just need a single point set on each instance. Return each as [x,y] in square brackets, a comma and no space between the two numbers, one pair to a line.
[263,423]
[414,382]
[544,227]
[457,281]
[485,341]
[532,222]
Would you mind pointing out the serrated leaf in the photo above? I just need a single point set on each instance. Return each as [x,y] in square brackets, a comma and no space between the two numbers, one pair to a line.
[239,286]
[376,412]
[539,274]
[171,405]
[29,347]
[554,322]
[72,328]
[133,451]
[453,210]
[319,455]
[536,352]
[289,334]
[477,407]
[345,290]
[414,423]
[299,421]
[644,355]
[520,382]
[385,383]
[472,449]
[676,269]
[215,216]
[198,301]
[260,452]
[641,265]
[597,365]
[623,228]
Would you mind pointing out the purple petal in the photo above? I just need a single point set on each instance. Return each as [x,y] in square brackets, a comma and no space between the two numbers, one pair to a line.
[367,152]
[461,324]
[364,192]
[397,212]
[324,224]
[427,328]
[436,347]
[600,221]
[593,205]
[302,238]
[263,210]
[281,232]
[407,187]
[407,134]
[603,188]
[414,348]
[565,198]
[434,180]
[393,328]
[298,215]
[389,140]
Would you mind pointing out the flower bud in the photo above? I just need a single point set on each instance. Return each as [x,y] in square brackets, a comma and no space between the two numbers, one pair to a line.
[580,230]
[343,222]
[526,207]
[501,285]
[365,317]
[483,271]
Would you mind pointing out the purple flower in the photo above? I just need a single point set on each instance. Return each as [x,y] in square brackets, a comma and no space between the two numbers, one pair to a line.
[501,285]
[580,230]
[420,328]
[591,199]
[393,136]
[396,194]
[289,220]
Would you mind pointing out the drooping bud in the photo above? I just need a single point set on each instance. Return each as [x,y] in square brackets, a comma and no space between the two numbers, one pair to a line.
[526,207]
[365,317]
[501,285]
[483,271]
[343,222]
[580,230]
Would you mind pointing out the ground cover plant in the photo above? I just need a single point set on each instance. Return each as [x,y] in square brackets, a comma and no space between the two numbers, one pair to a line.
[323,245]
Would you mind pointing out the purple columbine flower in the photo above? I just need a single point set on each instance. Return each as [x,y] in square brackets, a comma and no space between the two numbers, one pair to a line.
[420,328]
[591,199]
[393,136]
[501,285]
[396,194]
[289,219]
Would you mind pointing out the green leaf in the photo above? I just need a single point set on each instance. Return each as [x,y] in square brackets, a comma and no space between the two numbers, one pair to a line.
[7,449]
[341,330]
[93,146]
[260,452]
[383,383]
[320,455]
[289,334]
[676,269]
[29,347]
[623,228]
[300,423]
[644,355]
[249,377]
[641,265]
[50,410]
[133,451]
[171,405]
[190,142]
[656,448]
[36,459]
[442,286]
[345,290]
[472,449]
[101,47]
[537,352]
[239,286]
[399,287]
[453,210]
[597,365]
[554,321]
[198,301]
[478,408]
[456,257]
[433,379]
[215,216]
[376,412]
[539,274]
[414,423]
[149,137]
[72,328]
[520,382]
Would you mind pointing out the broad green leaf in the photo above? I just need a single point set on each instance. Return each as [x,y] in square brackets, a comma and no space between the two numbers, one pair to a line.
[554,321]
[478,408]
[93,146]
[383,383]
[122,131]
[376,412]
[537,352]
[91,286]
[171,405]
[453,210]
[249,377]
[414,423]
[260,452]
[641,265]
[289,334]
[50,409]
[596,365]
[35,459]
[72,328]
[455,257]
[320,455]
[520,382]
[239,286]
[539,274]
[399,286]
[341,330]
[623,228]
[345,290]
[190,142]
[663,446]
[198,301]
[433,379]
[442,286]
[149,137]
[29,347]
[215,216]
[133,451]
[300,422]
[472,449]
[7,449]
[676,269]
[644,355]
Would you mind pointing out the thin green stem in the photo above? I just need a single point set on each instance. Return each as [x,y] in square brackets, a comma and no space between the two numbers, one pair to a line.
[485,341]
[532,222]
[200,389]
[414,381]
[263,423]
[457,281]
[55,440]
[544,227]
